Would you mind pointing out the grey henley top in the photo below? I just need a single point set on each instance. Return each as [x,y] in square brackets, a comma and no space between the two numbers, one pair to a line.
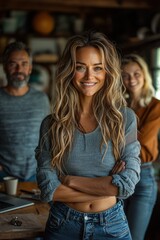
[85,159]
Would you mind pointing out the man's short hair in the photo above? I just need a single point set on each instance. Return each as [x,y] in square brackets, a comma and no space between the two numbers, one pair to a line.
[12,47]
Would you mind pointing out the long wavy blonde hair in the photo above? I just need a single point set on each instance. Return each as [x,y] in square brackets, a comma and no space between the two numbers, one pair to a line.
[148,90]
[107,102]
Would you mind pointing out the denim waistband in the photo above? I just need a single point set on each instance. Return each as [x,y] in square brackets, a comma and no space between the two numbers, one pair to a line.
[100,217]
[146,165]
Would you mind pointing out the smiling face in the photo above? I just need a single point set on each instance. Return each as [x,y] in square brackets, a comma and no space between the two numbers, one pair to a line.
[133,78]
[90,73]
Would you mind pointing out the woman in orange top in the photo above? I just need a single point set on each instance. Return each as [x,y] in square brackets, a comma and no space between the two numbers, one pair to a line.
[140,97]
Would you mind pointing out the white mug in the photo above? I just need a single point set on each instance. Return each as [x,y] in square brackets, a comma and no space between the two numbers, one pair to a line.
[11,184]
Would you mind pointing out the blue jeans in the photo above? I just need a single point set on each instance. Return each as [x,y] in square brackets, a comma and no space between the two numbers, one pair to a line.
[140,205]
[65,223]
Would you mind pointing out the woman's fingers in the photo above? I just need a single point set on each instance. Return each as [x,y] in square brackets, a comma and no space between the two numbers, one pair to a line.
[118,167]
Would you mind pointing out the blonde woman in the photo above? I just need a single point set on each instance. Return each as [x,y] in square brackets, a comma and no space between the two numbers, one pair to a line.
[81,145]
[140,97]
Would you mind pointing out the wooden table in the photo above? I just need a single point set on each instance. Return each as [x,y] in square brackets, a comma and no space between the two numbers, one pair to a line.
[39,211]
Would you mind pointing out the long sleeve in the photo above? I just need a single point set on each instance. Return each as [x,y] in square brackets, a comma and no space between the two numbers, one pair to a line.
[95,178]
[46,176]
[148,128]
[127,179]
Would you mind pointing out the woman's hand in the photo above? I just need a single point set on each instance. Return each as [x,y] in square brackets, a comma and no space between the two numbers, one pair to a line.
[118,167]
[63,179]
[100,186]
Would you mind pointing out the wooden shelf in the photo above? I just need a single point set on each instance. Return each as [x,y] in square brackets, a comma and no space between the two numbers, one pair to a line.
[107,14]
[140,45]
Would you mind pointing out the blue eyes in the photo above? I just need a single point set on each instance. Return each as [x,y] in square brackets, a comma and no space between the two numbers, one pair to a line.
[80,68]
[98,68]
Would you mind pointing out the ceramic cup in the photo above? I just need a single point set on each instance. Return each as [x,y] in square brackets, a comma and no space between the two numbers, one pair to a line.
[11,184]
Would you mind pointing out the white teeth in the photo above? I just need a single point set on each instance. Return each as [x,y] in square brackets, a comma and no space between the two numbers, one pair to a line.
[88,84]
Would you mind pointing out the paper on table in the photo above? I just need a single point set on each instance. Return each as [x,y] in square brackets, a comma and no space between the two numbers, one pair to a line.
[29,221]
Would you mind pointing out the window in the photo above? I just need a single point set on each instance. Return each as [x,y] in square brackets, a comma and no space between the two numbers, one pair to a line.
[155,55]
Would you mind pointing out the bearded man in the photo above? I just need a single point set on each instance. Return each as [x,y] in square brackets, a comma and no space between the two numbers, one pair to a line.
[22,110]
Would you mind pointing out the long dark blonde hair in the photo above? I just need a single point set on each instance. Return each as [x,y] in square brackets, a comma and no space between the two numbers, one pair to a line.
[148,90]
[107,102]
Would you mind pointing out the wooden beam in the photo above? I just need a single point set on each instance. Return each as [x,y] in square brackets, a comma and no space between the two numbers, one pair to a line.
[72,5]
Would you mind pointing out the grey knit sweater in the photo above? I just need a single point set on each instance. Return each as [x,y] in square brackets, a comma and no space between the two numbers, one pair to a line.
[20,119]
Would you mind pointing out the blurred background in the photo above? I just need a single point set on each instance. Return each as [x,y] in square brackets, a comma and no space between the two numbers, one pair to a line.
[45,25]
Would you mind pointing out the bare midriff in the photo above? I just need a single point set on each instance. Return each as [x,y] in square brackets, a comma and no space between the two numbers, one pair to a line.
[94,206]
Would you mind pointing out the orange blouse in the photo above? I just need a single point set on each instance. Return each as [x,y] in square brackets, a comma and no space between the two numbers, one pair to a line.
[148,128]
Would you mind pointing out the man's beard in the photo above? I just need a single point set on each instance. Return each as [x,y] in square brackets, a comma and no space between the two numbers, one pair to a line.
[15,82]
